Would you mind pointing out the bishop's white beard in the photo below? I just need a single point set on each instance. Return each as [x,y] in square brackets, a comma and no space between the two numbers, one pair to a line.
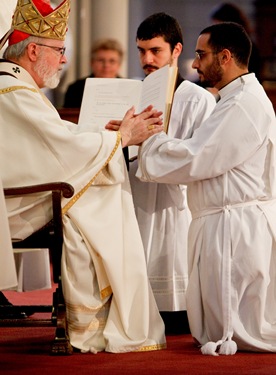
[50,77]
[52,82]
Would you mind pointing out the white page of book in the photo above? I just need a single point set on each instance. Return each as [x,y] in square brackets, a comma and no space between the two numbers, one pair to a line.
[154,90]
[107,99]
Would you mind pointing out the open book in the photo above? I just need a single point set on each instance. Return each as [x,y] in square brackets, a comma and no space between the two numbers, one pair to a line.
[106,99]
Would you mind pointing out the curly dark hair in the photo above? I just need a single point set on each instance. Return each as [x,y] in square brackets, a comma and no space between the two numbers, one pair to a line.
[160,24]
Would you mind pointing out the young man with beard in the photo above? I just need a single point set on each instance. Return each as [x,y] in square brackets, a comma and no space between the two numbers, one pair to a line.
[229,166]
[109,302]
[161,209]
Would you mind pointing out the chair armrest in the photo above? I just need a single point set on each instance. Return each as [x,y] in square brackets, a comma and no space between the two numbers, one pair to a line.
[66,189]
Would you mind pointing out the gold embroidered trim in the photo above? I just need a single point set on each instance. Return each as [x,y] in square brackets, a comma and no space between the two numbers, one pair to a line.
[151,347]
[93,326]
[106,292]
[83,190]
[92,318]
[14,88]
[73,308]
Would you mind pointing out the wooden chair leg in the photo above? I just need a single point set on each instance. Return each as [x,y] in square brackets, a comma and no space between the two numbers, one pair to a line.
[61,344]
[50,236]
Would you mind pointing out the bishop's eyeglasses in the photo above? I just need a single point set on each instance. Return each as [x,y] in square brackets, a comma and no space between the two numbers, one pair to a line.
[61,50]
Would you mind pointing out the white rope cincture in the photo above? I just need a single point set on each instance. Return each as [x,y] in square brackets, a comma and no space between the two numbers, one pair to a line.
[225,346]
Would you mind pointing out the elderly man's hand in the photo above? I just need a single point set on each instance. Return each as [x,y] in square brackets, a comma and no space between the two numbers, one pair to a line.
[135,129]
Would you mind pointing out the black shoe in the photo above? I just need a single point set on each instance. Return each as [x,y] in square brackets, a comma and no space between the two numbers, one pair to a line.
[8,310]
[13,315]
[176,322]
[4,301]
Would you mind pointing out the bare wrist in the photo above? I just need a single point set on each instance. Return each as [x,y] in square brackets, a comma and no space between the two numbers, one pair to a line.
[123,139]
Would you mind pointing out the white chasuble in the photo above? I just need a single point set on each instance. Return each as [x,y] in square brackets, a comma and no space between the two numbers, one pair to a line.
[109,302]
[8,278]
[113,308]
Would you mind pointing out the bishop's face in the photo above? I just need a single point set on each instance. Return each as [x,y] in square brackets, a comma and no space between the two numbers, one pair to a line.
[155,53]
[49,63]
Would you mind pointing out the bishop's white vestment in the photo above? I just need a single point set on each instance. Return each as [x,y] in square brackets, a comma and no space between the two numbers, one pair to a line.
[109,302]
[8,279]
[161,209]
[229,166]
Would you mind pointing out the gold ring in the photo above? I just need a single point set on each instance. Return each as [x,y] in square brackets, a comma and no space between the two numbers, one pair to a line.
[150,127]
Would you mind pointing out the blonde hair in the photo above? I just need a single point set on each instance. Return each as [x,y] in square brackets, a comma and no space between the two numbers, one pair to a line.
[107,44]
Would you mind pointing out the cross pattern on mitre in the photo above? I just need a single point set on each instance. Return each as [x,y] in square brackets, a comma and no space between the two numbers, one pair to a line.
[28,19]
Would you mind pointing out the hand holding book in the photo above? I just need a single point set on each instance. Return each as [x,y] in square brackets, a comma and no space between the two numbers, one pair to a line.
[109,98]
[135,129]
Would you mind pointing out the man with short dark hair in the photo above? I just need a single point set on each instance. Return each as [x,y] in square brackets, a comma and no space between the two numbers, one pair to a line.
[161,209]
[229,166]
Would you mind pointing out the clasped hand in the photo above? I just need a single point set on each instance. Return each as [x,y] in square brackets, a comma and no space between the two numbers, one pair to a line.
[135,129]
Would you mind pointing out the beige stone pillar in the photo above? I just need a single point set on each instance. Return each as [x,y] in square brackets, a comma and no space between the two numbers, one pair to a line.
[88,21]
[110,19]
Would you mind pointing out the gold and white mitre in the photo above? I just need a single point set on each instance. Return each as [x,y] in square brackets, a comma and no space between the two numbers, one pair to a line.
[38,18]
[28,19]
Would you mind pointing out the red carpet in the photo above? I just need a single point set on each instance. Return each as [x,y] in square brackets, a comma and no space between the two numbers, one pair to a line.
[26,351]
